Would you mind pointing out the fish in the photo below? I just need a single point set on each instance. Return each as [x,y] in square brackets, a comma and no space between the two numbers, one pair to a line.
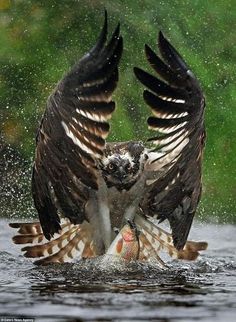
[126,244]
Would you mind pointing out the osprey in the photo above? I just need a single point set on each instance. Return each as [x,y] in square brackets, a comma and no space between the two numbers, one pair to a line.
[86,190]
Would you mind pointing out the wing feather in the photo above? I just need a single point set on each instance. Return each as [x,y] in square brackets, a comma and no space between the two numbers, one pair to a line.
[177,104]
[72,134]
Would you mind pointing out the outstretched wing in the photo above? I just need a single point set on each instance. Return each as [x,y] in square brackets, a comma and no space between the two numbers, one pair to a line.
[71,137]
[177,103]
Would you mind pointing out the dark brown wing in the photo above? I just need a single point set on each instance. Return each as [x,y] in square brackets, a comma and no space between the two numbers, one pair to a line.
[71,137]
[177,103]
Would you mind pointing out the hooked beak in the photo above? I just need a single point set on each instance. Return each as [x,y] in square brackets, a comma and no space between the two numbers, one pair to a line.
[121,175]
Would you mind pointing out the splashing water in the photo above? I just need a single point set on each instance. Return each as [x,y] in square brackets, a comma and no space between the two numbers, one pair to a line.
[204,290]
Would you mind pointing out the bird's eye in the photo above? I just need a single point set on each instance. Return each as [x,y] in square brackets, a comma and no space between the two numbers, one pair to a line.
[129,167]
[110,166]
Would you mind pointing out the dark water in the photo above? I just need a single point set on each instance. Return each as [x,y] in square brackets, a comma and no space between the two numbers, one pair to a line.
[201,291]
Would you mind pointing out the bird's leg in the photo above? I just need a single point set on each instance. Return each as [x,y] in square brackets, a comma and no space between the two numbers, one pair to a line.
[135,195]
[104,213]
[98,214]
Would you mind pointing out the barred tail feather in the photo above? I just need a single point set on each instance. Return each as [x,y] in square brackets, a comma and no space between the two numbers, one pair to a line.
[27,228]
[28,239]
[28,233]
[73,248]
[148,251]
[73,241]
[161,240]
[52,246]
[31,233]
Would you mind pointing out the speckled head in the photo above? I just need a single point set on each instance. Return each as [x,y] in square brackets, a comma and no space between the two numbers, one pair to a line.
[123,164]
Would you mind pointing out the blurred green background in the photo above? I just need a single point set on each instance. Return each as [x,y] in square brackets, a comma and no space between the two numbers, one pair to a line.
[40,40]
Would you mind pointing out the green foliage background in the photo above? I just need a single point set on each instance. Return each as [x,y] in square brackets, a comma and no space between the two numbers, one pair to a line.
[40,40]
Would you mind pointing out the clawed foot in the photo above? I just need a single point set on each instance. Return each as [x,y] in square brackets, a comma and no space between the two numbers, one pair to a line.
[133,226]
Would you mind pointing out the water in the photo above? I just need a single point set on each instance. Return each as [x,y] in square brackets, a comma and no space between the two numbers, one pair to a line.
[201,291]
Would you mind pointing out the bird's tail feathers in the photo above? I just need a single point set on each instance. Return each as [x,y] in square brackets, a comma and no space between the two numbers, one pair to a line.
[31,233]
[156,240]
[76,241]
[73,241]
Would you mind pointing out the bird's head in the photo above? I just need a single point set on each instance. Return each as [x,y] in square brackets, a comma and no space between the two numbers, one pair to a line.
[121,167]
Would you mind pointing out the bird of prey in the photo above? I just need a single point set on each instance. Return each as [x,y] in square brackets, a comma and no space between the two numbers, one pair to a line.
[86,189]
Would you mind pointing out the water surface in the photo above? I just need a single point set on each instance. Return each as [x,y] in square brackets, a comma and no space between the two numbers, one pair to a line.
[204,290]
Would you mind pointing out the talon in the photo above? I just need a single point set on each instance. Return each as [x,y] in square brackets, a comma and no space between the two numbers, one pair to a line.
[131,224]
[133,227]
